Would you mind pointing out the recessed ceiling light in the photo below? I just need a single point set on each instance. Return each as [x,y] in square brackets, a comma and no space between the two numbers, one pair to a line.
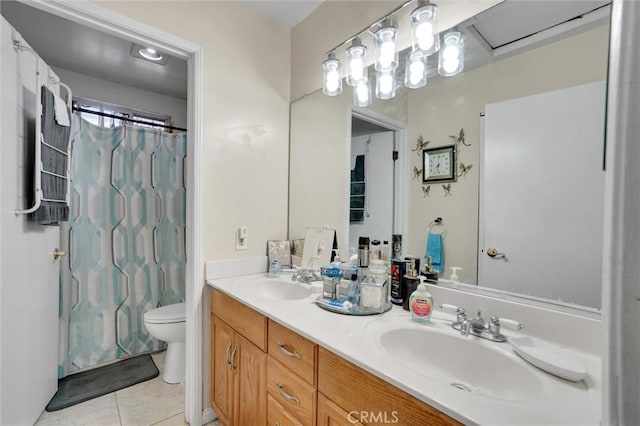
[150,54]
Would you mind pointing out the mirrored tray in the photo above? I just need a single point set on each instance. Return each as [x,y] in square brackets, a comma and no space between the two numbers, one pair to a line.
[353,310]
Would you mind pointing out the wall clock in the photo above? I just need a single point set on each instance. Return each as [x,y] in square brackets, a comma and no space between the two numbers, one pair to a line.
[439,164]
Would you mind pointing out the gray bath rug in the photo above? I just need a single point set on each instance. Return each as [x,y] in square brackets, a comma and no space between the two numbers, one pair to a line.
[100,381]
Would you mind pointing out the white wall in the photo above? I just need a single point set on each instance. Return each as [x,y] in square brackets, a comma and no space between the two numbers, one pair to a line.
[88,87]
[443,107]
[379,184]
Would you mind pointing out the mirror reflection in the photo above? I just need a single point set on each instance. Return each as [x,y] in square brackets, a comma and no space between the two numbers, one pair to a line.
[525,119]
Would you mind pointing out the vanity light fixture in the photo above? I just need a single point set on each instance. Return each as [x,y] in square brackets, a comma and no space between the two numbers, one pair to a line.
[331,72]
[356,72]
[424,27]
[385,39]
[451,55]
[415,75]
[385,84]
[362,94]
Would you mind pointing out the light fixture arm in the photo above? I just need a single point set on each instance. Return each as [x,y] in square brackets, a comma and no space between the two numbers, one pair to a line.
[367,29]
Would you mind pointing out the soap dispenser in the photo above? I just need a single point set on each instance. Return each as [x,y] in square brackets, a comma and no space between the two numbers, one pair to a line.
[454,273]
[421,303]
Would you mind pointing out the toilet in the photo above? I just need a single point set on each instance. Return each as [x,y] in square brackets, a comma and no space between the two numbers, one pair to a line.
[167,323]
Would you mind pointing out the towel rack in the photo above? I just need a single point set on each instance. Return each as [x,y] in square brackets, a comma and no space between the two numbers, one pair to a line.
[435,223]
[39,169]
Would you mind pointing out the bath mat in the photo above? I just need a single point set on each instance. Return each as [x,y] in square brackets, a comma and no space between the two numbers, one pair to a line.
[100,381]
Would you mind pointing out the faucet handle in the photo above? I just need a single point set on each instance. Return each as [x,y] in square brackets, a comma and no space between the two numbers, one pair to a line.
[509,323]
[452,308]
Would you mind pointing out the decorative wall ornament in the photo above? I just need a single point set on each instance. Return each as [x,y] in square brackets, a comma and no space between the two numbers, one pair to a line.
[425,191]
[464,169]
[416,172]
[420,145]
[447,190]
[460,138]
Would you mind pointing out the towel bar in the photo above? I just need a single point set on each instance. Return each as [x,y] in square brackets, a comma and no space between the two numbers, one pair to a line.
[437,222]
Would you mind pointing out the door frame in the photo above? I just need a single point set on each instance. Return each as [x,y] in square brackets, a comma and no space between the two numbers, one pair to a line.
[400,196]
[94,16]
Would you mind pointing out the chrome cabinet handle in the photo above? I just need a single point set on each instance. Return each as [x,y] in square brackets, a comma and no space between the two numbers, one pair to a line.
[287,352]
[228,358]
[493,252]
[58,254]
[234,367]
[285,395]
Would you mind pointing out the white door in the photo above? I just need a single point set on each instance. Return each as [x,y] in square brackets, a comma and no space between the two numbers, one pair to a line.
[28,273]
[542,189]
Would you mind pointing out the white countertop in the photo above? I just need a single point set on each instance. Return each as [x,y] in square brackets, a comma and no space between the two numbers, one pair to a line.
[559,402]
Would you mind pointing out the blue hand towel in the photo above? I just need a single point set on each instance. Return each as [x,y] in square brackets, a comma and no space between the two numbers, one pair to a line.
[435,250]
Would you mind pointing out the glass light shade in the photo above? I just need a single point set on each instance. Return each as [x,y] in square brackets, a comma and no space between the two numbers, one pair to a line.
[386,50]
[356,71]
[415,74]
[362,94]
[385,84]
[332,83]
[424,28]
[451,55]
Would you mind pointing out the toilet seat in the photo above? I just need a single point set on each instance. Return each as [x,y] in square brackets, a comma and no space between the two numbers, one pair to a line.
[169,314]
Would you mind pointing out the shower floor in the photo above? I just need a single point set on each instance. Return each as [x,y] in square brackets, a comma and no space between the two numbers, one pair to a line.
[148,403]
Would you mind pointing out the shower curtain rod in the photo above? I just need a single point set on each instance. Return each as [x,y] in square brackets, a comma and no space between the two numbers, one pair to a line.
[132,120]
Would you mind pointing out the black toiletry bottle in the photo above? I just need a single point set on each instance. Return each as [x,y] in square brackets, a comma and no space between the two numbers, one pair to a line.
[411,282]
[429,273]
[398,271]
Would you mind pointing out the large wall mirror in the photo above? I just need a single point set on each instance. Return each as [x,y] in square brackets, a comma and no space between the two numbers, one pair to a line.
[525,212]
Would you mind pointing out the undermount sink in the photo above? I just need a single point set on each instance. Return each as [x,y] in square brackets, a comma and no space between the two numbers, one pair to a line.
[274,288]
[466,363]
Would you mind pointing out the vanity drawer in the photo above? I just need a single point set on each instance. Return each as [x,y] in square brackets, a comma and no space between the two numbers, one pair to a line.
[294,351]
[249,323]
[290,391]
[277,415]
[356,390]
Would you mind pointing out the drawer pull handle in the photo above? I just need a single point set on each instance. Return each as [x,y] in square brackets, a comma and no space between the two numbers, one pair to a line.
[228,357]
[278,424]
[233,359]
[287,352]
[285,395]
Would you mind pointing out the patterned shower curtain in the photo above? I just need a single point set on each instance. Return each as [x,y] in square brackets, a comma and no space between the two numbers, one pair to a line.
[125,241]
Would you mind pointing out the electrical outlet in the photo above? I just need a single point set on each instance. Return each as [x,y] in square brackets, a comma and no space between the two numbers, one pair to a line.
[241,238]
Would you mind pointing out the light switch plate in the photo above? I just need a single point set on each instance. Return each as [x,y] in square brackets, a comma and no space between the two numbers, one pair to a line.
[241,238]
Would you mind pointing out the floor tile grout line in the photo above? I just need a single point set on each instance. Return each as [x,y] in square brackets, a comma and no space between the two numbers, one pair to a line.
[118,408]
[173,415]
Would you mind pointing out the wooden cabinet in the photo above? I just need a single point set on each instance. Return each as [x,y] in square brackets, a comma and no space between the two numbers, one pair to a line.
[329,414]
[238,365]
[297,383]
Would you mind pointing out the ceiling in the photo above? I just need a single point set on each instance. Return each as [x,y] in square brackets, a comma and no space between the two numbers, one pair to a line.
[361,127]
[74,47]
[286,13]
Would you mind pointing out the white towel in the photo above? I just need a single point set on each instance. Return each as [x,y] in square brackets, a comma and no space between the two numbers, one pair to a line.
[61,111]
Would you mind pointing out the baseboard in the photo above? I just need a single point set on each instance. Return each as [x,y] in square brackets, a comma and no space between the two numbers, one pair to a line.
[208,415]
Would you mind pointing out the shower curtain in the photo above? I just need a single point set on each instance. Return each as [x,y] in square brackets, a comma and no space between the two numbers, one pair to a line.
[125,241]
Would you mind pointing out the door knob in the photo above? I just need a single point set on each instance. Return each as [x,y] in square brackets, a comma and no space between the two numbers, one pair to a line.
[58,254]
[492,252]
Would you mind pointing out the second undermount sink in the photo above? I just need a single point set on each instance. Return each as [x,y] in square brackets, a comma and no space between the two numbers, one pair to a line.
[466,363]
[274,288]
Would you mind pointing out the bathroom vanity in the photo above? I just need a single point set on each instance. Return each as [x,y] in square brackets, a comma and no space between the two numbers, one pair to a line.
[278,359]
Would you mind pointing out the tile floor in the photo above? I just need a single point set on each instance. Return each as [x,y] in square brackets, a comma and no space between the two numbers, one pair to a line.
[153,402]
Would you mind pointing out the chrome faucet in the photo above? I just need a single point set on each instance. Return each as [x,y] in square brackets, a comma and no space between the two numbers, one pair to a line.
[306,276]
[478,326]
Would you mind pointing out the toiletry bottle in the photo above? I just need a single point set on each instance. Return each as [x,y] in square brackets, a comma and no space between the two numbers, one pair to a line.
[429,273]
[363,252]
[421,303]
[396,246]
[398,271]
[336,258]
[385,253]
[374,253]
[274,264]
[411,281]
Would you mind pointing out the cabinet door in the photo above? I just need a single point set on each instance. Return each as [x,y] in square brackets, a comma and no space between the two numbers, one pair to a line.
[329,414]
[250,367]
[222,346]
